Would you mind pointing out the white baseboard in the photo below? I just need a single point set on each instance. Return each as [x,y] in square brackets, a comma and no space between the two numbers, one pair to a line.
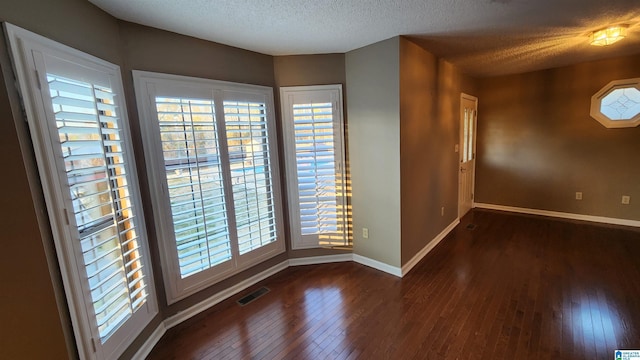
[425,250]
[563,215]
[320,259]
[222,295]
[151,341]
[378,265]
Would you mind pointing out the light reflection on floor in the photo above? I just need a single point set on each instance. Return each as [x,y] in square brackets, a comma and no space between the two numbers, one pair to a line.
[318,302]
[594,325]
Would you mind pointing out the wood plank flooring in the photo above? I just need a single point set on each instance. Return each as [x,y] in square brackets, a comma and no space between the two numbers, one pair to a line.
[515,287]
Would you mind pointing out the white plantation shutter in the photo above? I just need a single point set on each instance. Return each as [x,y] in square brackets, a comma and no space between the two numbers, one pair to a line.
[92,151]
[248,144]
[313,137]
[316,168]
[76,116]
[194,180]
[213,174]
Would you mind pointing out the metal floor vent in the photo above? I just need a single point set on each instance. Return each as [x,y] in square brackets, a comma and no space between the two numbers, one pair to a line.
[471,227]
[254,295]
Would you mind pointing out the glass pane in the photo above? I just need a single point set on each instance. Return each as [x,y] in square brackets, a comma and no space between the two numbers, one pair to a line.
[465,136]
[621,104]
[194,179]
[472,116]
[247,140]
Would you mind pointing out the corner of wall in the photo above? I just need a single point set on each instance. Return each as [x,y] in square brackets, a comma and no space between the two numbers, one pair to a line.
[373,110]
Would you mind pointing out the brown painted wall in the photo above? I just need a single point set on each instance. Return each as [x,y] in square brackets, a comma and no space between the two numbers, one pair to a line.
[429,129]
[32,325]
[538,145]
[300,70]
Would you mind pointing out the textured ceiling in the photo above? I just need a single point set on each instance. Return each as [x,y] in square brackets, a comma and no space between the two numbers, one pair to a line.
[482,37]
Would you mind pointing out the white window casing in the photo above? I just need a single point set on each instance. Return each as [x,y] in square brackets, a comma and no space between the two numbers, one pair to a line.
[211,154]
[77,119]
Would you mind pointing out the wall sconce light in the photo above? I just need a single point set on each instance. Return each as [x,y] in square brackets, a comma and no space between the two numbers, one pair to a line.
[609,35]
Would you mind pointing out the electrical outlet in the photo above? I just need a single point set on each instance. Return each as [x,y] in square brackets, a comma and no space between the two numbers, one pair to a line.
[365,233]
[457,148]
[578,195]
[626,199]
[442,211]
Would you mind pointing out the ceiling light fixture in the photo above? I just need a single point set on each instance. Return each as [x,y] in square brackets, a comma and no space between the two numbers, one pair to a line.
[609,35]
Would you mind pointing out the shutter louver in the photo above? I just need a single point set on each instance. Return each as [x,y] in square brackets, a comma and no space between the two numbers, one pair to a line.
[90,138]
[247,141]
[316,168]
[194,180]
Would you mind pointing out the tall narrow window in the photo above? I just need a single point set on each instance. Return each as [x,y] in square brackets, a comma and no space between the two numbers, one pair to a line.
[316,181]
[212,167]
[78,126]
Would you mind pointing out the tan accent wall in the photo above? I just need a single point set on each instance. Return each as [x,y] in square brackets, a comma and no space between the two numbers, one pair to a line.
[430,91]
[33,309]
[373,78]
[538,145]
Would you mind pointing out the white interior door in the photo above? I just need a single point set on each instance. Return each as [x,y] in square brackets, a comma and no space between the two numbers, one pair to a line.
[467,150]
[313,131]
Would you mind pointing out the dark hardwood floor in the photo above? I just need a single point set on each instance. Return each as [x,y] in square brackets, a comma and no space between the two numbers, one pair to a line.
[515,287]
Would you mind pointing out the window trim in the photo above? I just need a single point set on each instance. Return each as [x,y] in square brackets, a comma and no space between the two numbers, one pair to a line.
[596,100]
[21,44]
[145,84]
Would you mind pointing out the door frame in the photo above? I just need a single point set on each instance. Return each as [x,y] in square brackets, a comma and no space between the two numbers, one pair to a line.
[460,148]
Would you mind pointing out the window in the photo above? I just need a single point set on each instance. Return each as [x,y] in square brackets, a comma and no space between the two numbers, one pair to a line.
[313,130]
[617,105]
[213,169]
[78,125]
[468,124]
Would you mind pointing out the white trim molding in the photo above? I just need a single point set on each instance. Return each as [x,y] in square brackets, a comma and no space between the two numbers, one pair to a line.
[562,215]
[430,246]
[150,343]
[378,265]
[312,260]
